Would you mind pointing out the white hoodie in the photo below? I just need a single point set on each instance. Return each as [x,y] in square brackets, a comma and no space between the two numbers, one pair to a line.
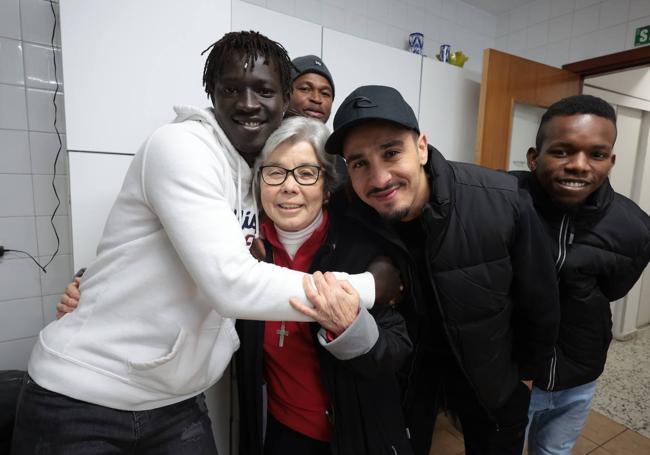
[153,325]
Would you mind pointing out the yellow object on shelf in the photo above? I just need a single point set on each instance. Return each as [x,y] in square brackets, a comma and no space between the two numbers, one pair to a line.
[458,58]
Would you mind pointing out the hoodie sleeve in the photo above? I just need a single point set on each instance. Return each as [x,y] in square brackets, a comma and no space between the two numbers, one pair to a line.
[183,184]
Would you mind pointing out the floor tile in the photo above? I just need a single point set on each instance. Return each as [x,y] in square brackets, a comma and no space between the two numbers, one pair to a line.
[628,443]
[583,446]
[600,429]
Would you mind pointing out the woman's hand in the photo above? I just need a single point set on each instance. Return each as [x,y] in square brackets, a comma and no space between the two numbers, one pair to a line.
[69,300]
[336,303]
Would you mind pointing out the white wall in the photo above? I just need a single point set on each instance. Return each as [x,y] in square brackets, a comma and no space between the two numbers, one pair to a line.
[391,21]
[27,149]
[556,32]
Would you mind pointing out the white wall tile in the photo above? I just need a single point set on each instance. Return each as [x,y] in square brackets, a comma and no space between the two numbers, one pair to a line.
[17,196]
[358,6]
[11,62]
[433,6]
[464,14]
[46,237]
[584,3]
[502,25]
[59,273]
[583,47]
[415,19]
[518,18]
[14,152]
[19,278]
[20,318]
[37,21]
[559,28]
[485,23]
[49,307]
[378,10]
[39,67]
[310,10]
[396,37]
[376,31]
[333,17]
[517,42]
[448,33]
[501,43]
[557,53]
[585,20]
[536,54]
[44,198]
[40,110]
[540,11]
[561,7]
[355,24]
[18,233]
[43,149]
[611,40]
[537,35]
[257,2]
[10,18]
[613,12]
[448,10]
[282,6]
[14,355]
[432,34]
[639,8]
[398,15]
[13,111]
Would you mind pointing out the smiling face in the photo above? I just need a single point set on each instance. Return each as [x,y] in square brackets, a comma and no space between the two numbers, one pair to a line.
[385,166]
[575,157]
[292,206]
[311,96]
[248,103]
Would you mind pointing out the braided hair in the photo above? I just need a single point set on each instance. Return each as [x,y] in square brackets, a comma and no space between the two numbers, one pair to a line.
[252,45]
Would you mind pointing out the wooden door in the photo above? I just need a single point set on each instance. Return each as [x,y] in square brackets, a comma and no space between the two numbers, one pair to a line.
[507,79]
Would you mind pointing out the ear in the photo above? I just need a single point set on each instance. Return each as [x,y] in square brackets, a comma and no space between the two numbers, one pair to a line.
[613,158]
[423,151]
[326,197]
[531,158]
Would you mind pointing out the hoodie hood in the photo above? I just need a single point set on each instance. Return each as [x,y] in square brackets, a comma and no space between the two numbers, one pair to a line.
[238,166]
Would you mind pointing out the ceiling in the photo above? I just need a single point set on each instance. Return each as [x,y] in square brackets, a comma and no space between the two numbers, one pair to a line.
[496,7]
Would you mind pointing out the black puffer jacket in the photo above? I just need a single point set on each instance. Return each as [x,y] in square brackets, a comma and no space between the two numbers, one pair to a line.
[489,273]
[600,250]
[364,393]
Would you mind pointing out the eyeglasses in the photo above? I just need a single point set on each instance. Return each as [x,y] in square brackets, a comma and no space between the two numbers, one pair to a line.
[307,174]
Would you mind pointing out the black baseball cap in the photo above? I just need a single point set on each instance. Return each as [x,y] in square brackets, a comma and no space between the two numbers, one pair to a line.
[310,64]
[370,102]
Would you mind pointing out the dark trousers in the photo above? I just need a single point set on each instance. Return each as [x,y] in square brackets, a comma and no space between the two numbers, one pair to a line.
[282,440]
[10,384]
[54,424]
[502,432]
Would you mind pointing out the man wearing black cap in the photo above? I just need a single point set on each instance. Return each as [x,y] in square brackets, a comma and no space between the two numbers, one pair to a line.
[312,89]
[468,243]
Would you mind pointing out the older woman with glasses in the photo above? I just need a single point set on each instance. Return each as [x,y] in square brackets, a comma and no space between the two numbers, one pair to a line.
[306,388]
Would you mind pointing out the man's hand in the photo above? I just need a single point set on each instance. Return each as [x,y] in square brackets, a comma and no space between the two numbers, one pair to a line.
[336,303]
[528,384]
[69,301]
[388,283]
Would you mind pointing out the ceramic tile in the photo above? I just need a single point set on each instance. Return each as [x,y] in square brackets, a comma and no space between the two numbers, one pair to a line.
[44,197]
[10,18]
[600,429]
[583,446]
[613,12]
[561,7]
[282,6]
[58,275]
[37,21]
[17,195]
[310,10]
[20,318]
[43,150]
[18,233]
[11,62]
[539,11]
[628,443]
[585,20]
[40,111]
[39,67]
[14,355]
[518,18]
[49,307]
[639,8]
[559,28]
[46,237]
[19,277]
[13,109]
[14,152]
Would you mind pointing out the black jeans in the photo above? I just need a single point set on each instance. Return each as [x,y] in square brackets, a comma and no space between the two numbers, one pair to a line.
[502,432]
[54,424]
[282,440]
[10,384]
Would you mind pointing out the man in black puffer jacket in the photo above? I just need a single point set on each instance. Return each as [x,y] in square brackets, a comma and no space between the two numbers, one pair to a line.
[600,241]
[485,318]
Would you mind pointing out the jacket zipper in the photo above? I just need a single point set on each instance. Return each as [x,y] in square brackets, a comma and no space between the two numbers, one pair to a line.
[565,239]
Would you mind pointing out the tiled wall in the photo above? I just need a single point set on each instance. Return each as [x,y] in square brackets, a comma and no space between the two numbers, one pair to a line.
[391,21]
[27,149]
[562,31]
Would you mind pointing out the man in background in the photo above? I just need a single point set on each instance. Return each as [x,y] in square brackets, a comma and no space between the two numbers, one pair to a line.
[600,241]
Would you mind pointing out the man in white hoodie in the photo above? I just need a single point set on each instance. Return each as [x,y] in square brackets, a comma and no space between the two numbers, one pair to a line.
[125,372]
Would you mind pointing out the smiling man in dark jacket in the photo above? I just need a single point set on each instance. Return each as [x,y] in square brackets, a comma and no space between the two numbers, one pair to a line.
[600,241]
[485,318]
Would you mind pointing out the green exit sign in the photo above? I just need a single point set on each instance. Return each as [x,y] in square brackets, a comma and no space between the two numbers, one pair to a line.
[642,36]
